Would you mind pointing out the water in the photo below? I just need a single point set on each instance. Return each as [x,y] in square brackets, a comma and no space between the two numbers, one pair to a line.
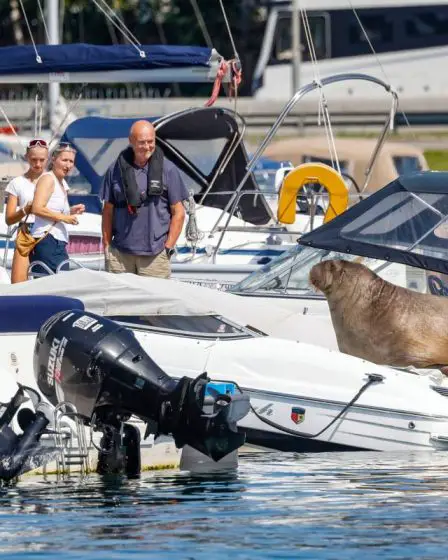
[322,506]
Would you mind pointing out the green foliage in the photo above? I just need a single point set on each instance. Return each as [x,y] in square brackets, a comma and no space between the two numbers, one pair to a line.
[152,22]
[437,159]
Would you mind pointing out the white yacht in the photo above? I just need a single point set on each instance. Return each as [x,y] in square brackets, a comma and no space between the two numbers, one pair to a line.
[409,39]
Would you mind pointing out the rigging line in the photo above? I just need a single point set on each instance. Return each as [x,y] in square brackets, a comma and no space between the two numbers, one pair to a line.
[202,23]
[42,15]
[323,103]
[38,58]
[358,19]
[134,43]
[119,23]
[229,31]
[70,108]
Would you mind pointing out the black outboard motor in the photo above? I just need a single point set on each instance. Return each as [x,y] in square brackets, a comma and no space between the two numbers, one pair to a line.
[17,450]
[100,367]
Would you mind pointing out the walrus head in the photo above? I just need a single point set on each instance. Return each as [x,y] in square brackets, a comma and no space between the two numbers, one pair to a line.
[326,274]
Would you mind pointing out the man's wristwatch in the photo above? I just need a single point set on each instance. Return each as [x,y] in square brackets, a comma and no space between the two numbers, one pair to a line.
[169,252]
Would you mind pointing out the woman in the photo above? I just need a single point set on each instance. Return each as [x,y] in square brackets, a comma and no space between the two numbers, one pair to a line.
[53,213]
[20,193]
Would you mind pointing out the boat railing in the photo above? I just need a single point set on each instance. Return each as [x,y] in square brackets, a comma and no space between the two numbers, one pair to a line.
[232,204]
[48,271]
[276,228]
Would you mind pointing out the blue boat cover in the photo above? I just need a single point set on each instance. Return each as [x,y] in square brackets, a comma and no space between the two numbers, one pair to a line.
[24,314]
[104,129]
[82,57]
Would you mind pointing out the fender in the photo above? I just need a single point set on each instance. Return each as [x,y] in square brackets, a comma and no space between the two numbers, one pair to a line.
[312,173]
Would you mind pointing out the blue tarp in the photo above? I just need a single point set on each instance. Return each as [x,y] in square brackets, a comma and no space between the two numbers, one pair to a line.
[83,57]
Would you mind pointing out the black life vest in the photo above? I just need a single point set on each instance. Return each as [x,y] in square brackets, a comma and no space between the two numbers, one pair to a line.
[134,198]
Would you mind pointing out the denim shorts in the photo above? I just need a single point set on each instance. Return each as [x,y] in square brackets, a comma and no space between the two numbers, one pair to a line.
[51,252]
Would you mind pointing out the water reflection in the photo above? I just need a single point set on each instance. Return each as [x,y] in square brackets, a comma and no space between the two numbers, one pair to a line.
[275,506]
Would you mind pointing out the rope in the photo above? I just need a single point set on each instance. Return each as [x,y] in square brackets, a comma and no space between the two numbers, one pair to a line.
[372,379]
[363,29]
[234,82]
[43,20]
[222,70]
[229,31]
[120,22]
[38,58]
[125,31]
[323,110]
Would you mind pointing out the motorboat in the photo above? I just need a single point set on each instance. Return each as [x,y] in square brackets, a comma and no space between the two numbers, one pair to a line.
[285,280]
[339,401]
[399,232]
[58,416]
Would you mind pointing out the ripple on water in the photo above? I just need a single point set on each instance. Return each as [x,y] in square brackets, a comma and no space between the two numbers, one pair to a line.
[275,506]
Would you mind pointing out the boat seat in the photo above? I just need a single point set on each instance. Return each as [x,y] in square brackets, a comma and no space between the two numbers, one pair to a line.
[20,314]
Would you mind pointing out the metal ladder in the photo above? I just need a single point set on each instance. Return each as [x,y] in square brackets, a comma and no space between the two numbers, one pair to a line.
[69,455]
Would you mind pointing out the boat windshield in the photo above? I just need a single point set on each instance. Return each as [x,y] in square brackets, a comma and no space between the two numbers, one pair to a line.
[289,272]
[198,326]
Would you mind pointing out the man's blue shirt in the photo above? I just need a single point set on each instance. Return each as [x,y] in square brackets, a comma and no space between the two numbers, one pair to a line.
[145,232]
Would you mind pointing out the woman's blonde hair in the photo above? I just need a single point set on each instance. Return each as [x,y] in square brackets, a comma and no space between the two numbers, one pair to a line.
[58,149]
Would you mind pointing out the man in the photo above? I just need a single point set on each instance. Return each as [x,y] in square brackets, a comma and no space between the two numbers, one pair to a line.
[143,211]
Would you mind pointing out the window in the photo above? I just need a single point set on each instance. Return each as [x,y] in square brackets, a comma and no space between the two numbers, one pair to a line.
[402,221]
[213,326]
[406,164]
[202,153]
[378,28]
[319,25]
[427,24]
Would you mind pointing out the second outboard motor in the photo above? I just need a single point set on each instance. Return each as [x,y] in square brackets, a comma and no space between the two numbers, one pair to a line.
[100,367]
[18,451]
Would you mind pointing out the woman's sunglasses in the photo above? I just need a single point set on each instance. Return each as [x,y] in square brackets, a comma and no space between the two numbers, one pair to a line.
[37,142]
[63,146]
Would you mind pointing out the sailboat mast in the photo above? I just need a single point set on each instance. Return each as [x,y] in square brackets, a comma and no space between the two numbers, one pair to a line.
[295,46]
[53,39]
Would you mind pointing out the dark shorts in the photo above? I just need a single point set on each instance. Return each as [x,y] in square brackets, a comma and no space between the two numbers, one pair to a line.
[51,252]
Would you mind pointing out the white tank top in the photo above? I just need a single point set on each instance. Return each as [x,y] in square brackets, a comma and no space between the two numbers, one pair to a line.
[58,202]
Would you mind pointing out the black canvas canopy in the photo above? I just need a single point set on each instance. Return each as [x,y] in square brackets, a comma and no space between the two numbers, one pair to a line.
[405,222]
[204,144]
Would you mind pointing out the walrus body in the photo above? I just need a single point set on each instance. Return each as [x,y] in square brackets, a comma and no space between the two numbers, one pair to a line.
[380,322]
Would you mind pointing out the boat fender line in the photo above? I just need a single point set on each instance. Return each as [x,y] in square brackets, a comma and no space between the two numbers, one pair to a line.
[372,379]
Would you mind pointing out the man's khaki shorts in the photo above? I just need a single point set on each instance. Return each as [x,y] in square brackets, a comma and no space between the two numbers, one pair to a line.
[117,261]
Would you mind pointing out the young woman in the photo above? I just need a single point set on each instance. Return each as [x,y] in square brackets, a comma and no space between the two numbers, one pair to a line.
[20,193]
[52,211]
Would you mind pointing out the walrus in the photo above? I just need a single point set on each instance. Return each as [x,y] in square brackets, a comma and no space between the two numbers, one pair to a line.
[381,322]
